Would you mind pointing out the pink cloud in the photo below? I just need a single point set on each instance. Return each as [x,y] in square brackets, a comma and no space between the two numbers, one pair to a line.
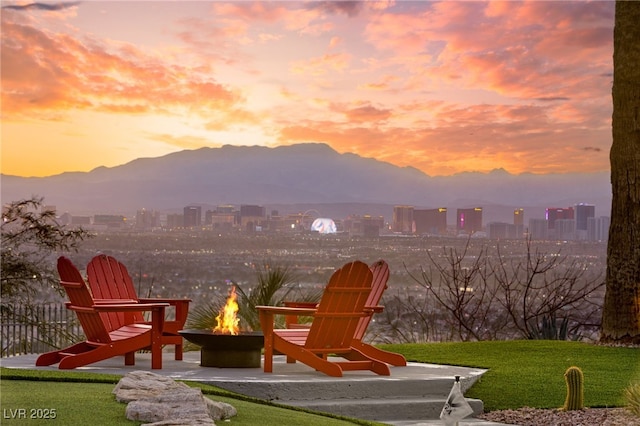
[322,65]
[363,113]
[46,71]
[502,46]
[481,137]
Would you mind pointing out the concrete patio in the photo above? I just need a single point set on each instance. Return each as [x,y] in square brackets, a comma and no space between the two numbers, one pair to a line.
[412,395]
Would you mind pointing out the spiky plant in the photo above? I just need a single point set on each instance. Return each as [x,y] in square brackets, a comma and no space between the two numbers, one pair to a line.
[632,398]
[274,285]
[202,317]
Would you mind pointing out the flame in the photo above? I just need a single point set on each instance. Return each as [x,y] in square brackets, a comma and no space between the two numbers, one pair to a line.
[228,317]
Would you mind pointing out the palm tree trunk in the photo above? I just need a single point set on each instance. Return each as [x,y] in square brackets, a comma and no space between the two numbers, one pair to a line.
[621,313]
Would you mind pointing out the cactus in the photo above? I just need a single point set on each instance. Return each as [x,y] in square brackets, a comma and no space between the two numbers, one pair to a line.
[575,390]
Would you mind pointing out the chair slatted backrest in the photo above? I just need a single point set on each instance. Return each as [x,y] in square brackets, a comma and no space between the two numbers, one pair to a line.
[380,270]
[341,307]
[81,302]
[109,279]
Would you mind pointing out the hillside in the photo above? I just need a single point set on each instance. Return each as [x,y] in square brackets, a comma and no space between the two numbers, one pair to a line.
[300,176]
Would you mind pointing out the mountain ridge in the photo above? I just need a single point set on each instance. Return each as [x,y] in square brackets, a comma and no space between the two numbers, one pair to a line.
[308,174]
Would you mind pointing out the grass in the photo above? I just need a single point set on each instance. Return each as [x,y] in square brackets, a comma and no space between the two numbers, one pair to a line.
[521,373]
[77,397]
[531,372]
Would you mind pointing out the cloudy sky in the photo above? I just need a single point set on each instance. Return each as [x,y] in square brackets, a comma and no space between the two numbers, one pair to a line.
[444,87]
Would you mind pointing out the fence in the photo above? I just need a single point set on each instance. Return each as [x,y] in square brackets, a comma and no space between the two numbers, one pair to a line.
[37,329]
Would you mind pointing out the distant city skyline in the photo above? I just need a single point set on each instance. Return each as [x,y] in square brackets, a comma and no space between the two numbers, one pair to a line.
[445,87]
[558,223]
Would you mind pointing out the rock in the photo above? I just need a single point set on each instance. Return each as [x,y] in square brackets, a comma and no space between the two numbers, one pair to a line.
[220,410]
[163,401]
[183,404]
[143,384]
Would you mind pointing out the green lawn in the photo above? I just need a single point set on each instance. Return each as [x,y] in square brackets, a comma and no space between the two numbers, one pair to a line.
[531,372]
[521,373]
[70,398]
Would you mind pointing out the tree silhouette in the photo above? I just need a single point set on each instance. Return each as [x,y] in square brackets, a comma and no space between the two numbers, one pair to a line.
[30,239]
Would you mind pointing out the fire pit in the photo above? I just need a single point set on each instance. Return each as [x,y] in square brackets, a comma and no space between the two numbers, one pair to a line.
[225,345]
[242,350]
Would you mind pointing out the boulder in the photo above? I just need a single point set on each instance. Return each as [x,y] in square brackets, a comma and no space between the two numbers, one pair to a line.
[158,400]
[144,384]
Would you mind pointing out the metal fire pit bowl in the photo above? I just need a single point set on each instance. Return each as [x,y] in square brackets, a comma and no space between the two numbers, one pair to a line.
[243,350]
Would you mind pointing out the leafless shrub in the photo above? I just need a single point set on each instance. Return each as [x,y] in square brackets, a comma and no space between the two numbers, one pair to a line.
[483,295]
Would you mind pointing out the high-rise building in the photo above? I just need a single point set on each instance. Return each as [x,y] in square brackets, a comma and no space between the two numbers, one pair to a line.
[147,219]
[469,221]
[538,229]
[501,230]
[365,225]
[430,221]
[554,213]
[251,217]
[192,216]
[251,210]
[497,230]
[518,217]
[221,218]
[583,213]
[225,209]
[109,220]
[372,225]
[565,229]
[403,219]
[175,220]
[598,228]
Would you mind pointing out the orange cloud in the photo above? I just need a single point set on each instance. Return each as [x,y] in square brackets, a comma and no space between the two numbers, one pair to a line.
[481,138]
[441,86]
[44,71]
[322,65]
[363,113]
[519,49]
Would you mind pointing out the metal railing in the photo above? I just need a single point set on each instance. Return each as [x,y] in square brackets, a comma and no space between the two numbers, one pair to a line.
[37,329]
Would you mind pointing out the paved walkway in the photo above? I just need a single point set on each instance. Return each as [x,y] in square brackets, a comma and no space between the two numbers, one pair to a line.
[291,374]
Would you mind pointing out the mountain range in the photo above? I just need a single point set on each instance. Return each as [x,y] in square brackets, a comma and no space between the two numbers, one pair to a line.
[301,177]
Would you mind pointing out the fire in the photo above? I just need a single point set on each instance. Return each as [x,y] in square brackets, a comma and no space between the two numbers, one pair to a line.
[228,317]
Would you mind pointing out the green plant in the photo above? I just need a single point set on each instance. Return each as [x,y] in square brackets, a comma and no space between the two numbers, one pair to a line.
[203,317]
[575,389]
[31,235]
[550,330]
[272,289]
[632,398]
[30,238]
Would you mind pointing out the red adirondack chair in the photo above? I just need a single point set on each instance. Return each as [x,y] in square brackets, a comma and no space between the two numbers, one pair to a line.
[333,328]
[104,338]
[380,271]
[109,279]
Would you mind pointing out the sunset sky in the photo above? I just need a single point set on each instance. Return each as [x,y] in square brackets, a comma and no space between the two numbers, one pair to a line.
[444,87]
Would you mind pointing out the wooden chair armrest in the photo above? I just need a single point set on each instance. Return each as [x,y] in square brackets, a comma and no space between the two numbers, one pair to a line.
[129,307]
[172,302]
[283,310]
[114,301]
[181,310]
[289,304]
